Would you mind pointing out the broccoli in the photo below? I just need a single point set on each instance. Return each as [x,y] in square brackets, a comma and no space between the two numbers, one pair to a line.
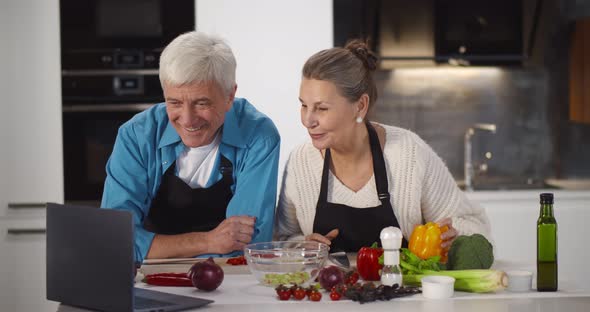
[470,252]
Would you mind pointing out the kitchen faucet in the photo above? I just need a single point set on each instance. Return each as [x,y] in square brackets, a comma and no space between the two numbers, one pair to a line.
[468,163]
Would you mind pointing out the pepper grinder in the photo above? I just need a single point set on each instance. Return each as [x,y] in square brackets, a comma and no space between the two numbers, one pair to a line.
[391,240]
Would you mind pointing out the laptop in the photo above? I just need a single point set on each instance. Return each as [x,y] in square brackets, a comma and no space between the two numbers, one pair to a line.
[90,263]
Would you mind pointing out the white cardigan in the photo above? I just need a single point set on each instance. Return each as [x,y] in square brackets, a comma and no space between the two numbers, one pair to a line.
[421,188]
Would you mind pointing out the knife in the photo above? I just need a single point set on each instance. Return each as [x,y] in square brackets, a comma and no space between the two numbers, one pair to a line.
[339,258]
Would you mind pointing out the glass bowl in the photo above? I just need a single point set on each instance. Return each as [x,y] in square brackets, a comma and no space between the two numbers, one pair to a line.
[287,262]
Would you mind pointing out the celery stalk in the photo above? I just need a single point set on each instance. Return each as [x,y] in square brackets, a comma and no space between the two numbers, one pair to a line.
[478,281]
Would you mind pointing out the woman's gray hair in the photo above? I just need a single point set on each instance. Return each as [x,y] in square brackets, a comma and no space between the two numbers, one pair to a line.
[198,57]
[350,69]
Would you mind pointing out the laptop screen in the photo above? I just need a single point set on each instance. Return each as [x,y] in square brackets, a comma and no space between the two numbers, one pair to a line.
[90,263]
[90,260]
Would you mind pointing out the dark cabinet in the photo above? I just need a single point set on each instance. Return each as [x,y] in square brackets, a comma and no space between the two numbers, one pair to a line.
[475,32]
[580,72]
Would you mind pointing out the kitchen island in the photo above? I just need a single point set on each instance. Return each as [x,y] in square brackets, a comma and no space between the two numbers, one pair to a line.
[513,216]
[242,292]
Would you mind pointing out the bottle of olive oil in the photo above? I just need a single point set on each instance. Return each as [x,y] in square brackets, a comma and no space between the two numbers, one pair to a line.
[546,246]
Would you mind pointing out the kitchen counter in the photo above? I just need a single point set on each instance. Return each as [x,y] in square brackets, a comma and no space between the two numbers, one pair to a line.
[241,291]
[512,214]
[22,288]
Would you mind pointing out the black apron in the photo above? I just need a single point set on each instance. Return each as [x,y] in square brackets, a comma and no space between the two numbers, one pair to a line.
[358,227]
[178,208]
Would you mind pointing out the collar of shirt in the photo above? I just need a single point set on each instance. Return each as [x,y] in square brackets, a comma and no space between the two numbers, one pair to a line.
[234,133]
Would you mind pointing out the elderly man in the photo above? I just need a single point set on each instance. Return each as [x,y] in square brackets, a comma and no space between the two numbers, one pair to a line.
[199,172]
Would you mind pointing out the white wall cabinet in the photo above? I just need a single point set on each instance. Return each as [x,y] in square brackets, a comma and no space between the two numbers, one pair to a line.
[22,266]
[30,115]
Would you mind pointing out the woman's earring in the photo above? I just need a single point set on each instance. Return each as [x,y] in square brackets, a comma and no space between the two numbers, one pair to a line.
[359,119]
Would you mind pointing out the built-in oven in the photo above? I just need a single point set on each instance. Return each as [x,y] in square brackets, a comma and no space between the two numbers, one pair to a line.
[89,135]
[110,52]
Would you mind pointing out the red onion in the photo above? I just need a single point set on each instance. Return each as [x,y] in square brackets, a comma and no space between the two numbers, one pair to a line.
[330,277]
[206,275]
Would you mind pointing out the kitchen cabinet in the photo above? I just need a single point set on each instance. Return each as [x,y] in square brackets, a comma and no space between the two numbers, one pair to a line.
[426,32]
[31,168]
[22,266]
[579,84]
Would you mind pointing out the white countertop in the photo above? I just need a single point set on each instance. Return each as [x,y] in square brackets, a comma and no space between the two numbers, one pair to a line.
[512,214]
[245,289]
[24,290]
[242,292]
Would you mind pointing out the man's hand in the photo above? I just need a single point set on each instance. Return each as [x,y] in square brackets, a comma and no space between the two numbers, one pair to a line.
[231,234]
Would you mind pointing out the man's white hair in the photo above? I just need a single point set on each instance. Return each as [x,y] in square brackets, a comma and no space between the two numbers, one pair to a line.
[197,57]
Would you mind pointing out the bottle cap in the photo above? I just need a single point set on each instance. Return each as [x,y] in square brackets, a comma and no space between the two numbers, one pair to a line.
[547,198]
[391,238]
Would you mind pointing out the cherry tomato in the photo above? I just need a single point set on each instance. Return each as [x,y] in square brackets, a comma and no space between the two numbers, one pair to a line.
[280,288]
[351,278]
[341,288]
[299,293]
[335,296]
[315,296]
[284,295]
[283,292]
[240,260]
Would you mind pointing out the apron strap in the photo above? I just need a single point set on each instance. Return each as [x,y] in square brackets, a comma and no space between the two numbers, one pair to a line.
[225,167]
[324,184]
[378,165]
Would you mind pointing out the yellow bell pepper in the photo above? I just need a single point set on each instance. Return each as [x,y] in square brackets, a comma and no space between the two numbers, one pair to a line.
[425,241]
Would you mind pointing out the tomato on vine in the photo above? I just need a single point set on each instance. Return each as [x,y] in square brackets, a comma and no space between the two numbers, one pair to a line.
[283,292]
[351,278]
[298,293]
[335,296]
[315,296]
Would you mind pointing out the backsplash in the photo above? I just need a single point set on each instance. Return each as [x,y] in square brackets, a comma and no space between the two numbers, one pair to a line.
[535,139]
[441,103]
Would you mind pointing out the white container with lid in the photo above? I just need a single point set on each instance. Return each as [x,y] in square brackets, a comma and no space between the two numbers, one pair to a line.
[519,280]
[437,286]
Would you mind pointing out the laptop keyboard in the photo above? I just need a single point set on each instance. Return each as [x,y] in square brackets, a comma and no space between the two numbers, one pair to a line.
[147,303]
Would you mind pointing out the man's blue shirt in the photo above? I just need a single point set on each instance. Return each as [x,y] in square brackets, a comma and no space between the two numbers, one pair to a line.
[147,145]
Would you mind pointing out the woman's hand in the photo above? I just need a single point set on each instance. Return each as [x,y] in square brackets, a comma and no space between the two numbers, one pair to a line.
[326,239]
[448,236]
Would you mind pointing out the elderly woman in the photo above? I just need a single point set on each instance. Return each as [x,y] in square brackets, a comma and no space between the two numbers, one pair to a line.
[356,177]
[198,171]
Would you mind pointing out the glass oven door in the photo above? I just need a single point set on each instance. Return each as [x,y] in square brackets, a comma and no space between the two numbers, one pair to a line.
[89,133]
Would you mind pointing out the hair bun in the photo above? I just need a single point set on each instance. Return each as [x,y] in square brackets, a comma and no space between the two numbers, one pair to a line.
[361,50]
